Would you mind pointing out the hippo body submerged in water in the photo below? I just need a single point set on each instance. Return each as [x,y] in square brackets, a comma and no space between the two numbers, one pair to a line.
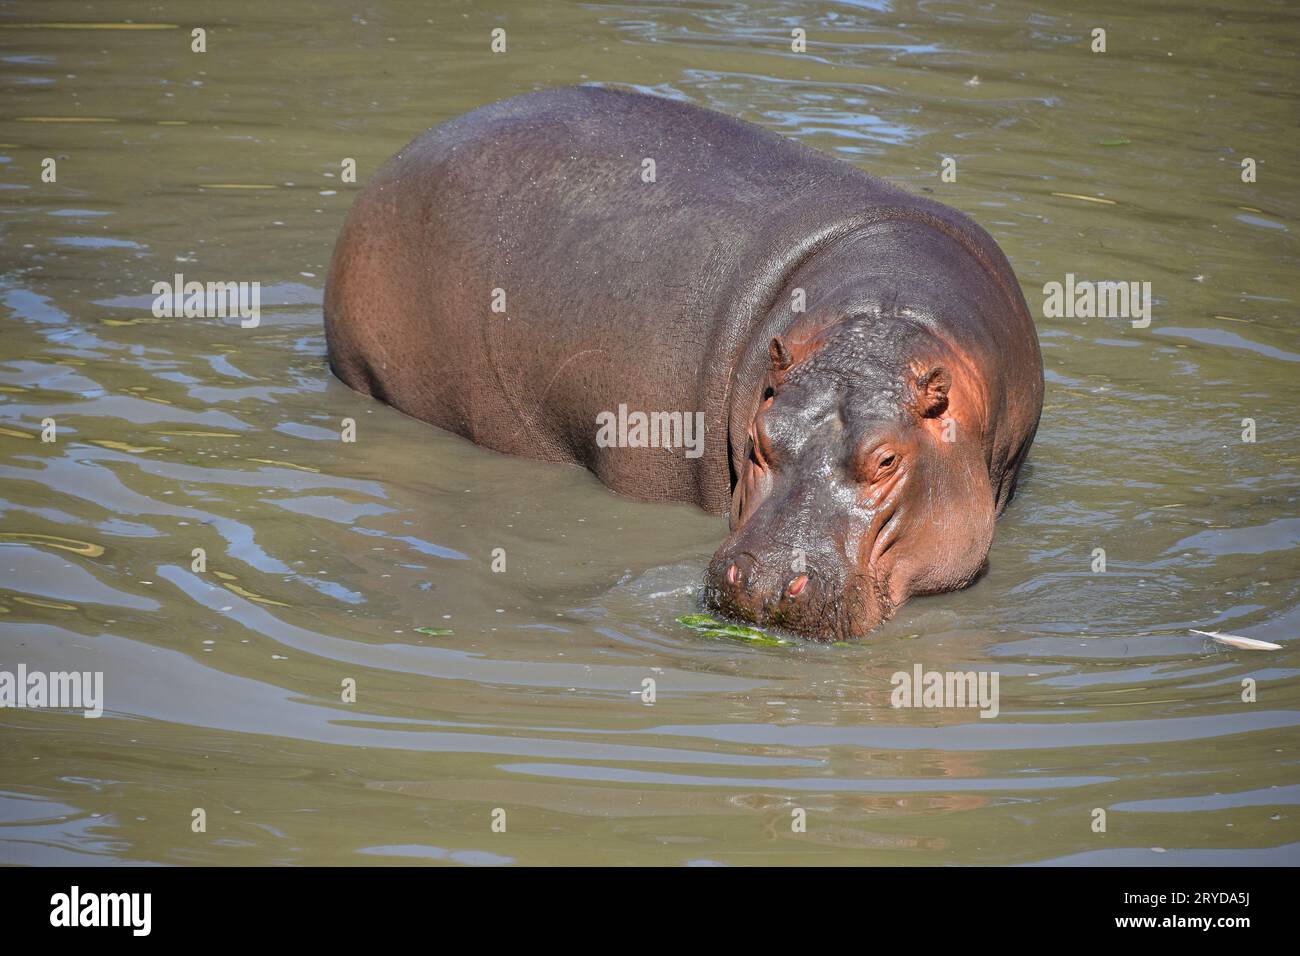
[867,371]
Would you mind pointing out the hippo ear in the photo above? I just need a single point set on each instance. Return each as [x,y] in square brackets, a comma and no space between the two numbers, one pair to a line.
[781,358]
[932,392]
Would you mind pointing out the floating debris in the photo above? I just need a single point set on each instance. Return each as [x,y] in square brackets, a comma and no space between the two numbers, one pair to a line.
[435,631]
[138,320]
[709,627]
[1107,202]
[37,602]
[87,548]
[1244,643]
[87,25]
[123,446]
[64,119]
[200,434]
[284,464]
[245,593]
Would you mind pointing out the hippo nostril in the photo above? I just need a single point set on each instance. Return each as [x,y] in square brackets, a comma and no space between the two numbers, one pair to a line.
[797,585]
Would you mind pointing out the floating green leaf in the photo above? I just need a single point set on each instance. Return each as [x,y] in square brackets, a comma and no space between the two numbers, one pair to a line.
[709,627]
[434,631]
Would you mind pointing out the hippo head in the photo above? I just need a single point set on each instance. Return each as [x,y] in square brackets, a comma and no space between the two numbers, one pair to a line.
[864,482]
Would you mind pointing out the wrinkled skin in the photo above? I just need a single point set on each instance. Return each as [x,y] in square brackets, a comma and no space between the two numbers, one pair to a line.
[884,438]
[850,500]
[862,444]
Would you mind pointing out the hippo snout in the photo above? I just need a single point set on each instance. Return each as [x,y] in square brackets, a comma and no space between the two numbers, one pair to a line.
[746,582]
[769,592]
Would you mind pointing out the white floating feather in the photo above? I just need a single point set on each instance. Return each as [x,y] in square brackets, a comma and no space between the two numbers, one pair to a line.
[1244,643]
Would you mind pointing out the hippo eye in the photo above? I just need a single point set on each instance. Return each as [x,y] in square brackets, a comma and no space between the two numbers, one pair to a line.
[882,463]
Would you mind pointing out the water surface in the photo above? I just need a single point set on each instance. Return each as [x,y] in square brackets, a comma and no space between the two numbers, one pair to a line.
[324,559]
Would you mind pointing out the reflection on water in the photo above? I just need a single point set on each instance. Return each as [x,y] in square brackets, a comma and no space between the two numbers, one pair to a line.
[327,562]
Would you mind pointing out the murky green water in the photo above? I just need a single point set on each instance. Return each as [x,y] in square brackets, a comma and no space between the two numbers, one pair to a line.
[223,688]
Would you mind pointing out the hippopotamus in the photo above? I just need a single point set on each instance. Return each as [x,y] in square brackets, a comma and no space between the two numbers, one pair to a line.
[861,359]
